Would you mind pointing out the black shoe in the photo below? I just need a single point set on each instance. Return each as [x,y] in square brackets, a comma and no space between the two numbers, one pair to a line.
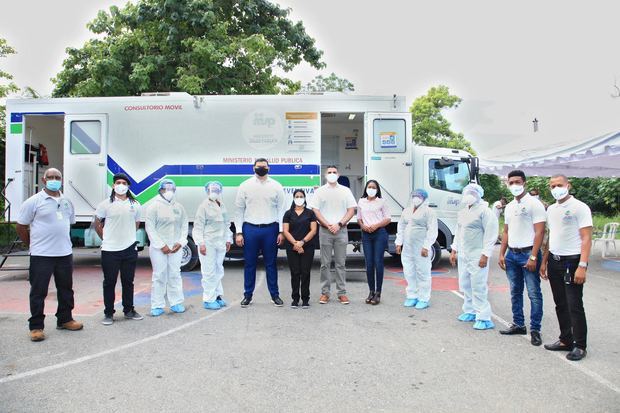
[370,297]
[246,301]
[133,315]
[514,330]
[558,346]
[295,304]
[536,340]
[576,354]
[277,301]
[305,305]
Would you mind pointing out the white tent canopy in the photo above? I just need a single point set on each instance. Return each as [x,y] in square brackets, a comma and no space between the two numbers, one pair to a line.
[598,157]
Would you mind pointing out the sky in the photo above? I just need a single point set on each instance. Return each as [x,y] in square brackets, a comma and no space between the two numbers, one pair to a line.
[510,62]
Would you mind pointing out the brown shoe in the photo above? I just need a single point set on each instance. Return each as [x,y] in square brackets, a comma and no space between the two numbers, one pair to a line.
[70,325]
[343,299]
[324,299]
[37,335]
[376,299]
[370,296]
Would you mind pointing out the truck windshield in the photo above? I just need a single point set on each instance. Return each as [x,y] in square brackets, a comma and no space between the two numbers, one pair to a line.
[451,176]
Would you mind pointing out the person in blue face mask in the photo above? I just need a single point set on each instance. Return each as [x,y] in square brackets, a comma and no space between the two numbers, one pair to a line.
[474,239]
[44,224]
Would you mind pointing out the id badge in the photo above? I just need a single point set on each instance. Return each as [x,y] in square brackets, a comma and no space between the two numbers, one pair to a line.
[59,215]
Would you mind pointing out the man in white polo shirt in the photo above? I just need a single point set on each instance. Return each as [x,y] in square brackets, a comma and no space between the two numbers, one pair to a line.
[333,205]
[524,230]
[49,215]
[565,264]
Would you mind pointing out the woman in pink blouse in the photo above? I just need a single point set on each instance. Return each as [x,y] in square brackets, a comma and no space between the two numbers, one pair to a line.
[373,215]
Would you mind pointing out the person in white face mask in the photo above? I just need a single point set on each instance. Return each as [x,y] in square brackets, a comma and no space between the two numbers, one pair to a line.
[213,236]
[416,234]
[167,226]
[116,222]
[474,238]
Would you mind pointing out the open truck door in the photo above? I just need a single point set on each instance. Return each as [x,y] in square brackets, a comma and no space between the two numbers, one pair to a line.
[388,148]
[85,160]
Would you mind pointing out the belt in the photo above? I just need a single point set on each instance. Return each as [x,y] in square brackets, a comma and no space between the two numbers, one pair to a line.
[566,257]
[262,225]
[521,250]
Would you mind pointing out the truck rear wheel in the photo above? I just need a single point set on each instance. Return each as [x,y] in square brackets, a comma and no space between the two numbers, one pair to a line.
[189,261]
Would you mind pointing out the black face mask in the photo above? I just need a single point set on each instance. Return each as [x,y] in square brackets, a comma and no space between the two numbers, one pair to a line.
[261,170]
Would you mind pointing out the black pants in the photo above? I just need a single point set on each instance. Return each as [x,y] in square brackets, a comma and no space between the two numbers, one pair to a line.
[300,265]
[41,270]
[112,262]
[568,300]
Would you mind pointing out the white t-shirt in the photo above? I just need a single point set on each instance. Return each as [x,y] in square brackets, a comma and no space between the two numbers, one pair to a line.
[333,202]
[565,220]
[520,216]
[119,229]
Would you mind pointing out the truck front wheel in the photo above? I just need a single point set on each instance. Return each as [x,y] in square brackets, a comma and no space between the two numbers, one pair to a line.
[189,261]
[435,254]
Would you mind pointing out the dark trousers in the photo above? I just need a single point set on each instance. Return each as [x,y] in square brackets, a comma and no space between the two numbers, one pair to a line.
[256,239]
[300,265]
[41,270]
[568,300]
[374,245]
[112,262]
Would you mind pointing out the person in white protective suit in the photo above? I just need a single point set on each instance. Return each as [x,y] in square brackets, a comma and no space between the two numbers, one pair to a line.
[416,234]
[213,236]
[167,228]
[474,239]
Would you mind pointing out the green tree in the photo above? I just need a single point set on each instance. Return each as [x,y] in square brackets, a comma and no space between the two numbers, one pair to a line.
[494,188]
[196,46]
[430,127]
[6,87]
[331,83]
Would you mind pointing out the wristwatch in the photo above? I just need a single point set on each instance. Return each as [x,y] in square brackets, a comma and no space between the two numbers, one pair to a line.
[302,242]
[239,233]
[532,257]
[583,264]
[340,224]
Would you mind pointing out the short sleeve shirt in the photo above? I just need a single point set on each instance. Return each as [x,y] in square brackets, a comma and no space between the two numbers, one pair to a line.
[299,226]
[333,202]
[50,220]
[565,220]
[119,229]
[520,216]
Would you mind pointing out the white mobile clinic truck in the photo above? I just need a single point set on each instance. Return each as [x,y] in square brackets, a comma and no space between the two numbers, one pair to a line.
[196,139]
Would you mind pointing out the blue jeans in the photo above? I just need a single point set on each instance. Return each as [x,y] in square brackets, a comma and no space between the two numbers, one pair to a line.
[255,240]
[374,244]
[518,275]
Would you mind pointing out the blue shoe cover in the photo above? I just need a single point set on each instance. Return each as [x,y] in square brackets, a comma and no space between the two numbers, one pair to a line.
[467,317]
[213,305]
[156,312]
[410,302]
[178,308]
[421,305]
[221,302]
[484,325]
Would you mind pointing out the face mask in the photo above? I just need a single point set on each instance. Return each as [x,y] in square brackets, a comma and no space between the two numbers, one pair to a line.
[416,201]
[261,170]
[168,195]
[559,192]
[299,201]
[53,185]
[121,189]
[516,190]
[214,196]
[332,178]
[469,199]
[372,192]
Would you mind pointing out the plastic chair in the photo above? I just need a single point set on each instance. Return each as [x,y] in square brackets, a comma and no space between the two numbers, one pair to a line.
[608,237]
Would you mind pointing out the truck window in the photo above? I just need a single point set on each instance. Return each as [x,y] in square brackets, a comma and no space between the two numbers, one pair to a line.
[85,137]
[389,136]
[451,177]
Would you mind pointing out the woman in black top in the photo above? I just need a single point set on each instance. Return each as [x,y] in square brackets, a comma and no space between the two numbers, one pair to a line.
[299,230]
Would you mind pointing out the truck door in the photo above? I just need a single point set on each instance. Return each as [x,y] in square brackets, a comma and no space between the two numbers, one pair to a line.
[388,149]
[85,161]
[446,177]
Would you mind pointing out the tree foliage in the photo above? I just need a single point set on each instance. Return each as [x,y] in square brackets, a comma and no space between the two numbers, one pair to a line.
[196,46]
[331,83]
[430,127]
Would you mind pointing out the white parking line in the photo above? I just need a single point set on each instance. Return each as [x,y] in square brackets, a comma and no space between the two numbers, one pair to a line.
[89,357]
[576,365]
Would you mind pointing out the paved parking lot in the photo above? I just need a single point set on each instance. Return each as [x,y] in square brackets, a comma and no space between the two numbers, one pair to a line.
[335,357]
